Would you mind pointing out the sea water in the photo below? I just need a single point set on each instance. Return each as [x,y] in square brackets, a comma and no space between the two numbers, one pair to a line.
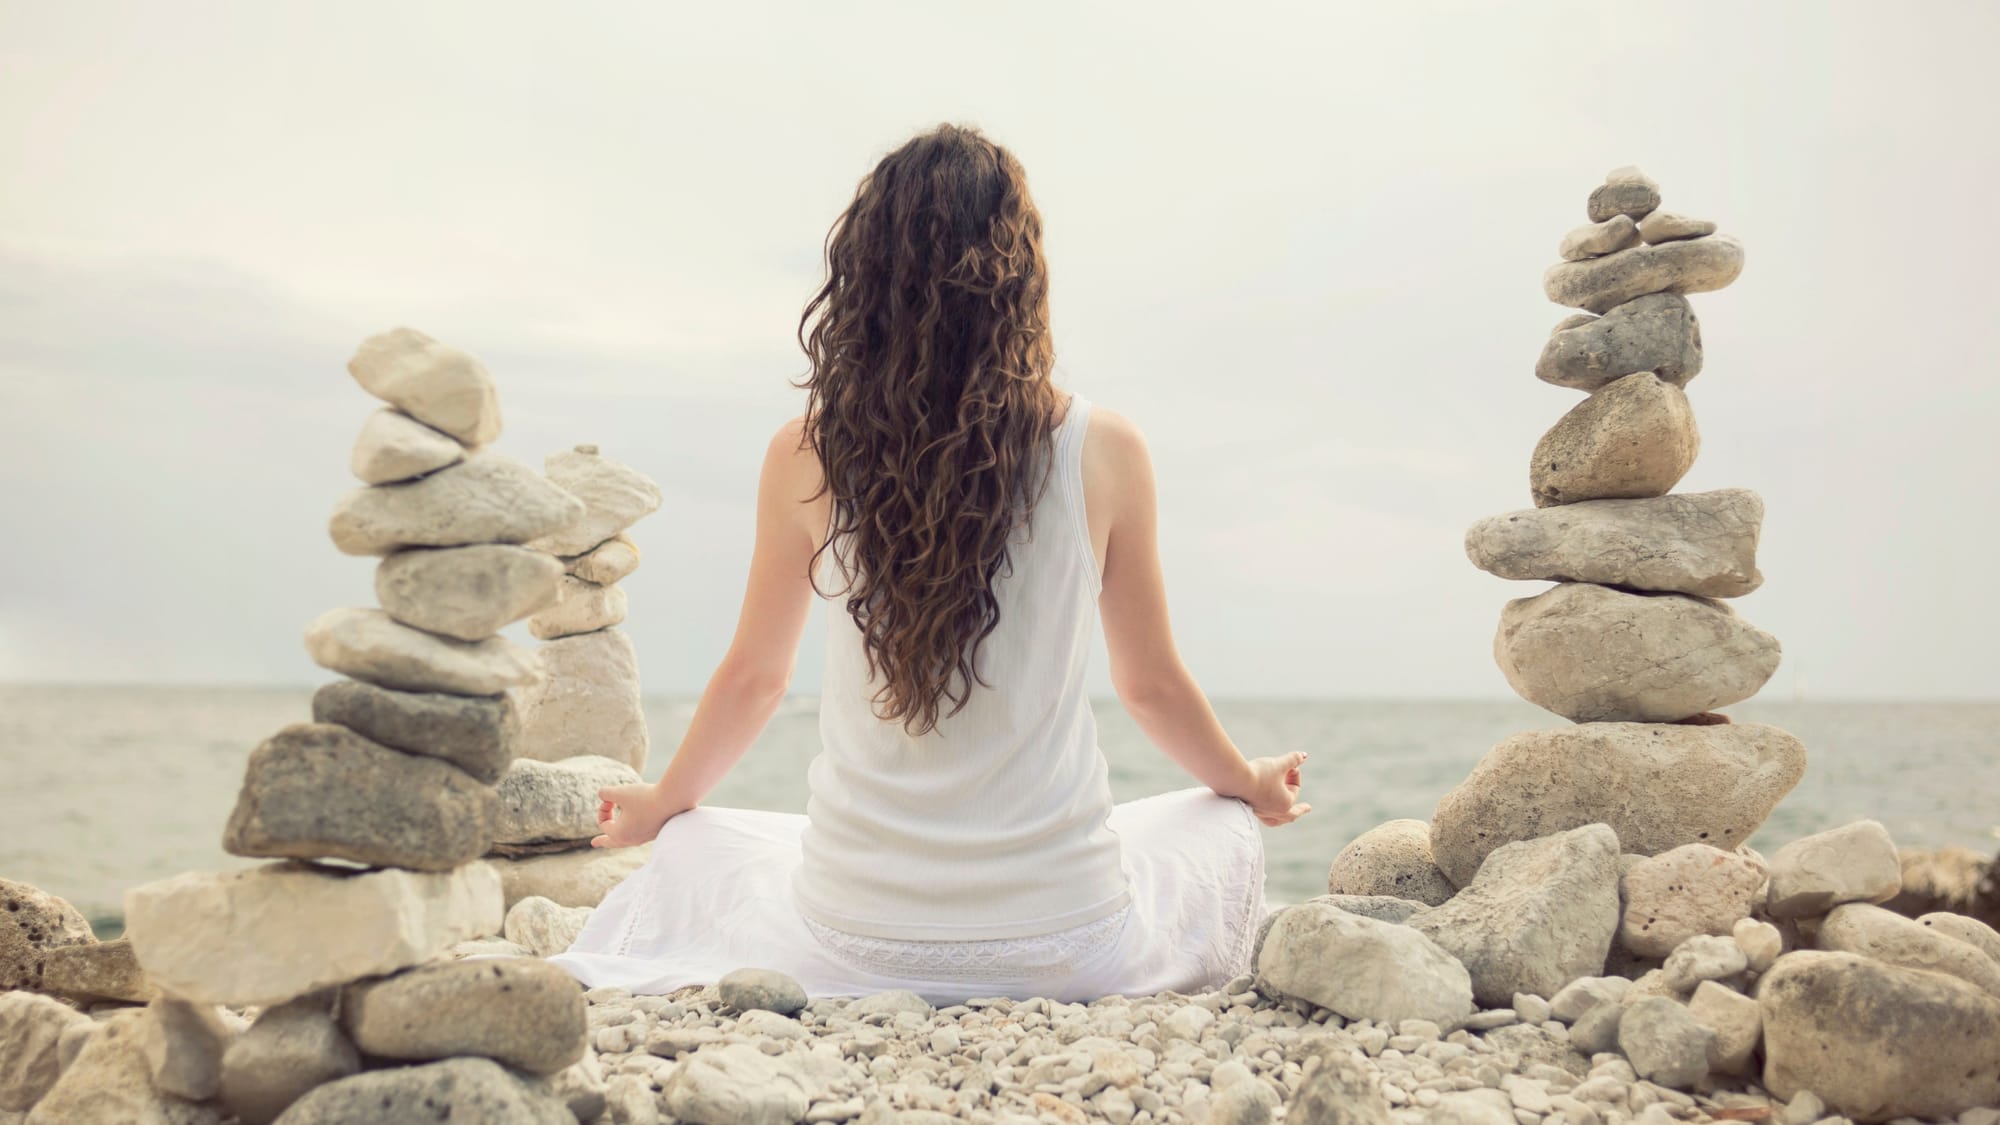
[103,788]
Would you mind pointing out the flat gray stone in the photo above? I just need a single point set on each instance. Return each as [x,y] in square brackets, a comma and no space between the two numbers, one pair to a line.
[478,734]
[1702,543]
[1392,859]
[1665,226]
[1593,654]
[1657,786]
[267,934]
[369,645]
[467,1089]
[32,921]
[540,801]
[485,498]
[1538,915]
[1600,284]
[1656,333]
[579,607]
[588,701]
[469,593]
[1633,199]
[97,970]
[1877,1041]
[524,1012]
[1362,968]
[1634,438]
[291,1049]
[1615,233]
[615,497]
[315,790]
[440,386]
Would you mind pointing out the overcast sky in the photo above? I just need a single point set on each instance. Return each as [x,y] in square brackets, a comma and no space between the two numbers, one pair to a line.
[1301,246]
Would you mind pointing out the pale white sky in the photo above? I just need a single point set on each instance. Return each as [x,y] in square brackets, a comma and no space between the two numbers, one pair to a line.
[1301,245]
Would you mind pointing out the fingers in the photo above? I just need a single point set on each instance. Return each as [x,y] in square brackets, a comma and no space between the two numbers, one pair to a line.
[600,841]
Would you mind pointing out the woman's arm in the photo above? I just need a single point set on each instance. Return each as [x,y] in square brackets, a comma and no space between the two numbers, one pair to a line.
[1146,669]
[751,681]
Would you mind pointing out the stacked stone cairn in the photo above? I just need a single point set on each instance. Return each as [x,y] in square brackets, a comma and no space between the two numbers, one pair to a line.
[582,724]
[316,988]
[1597,875]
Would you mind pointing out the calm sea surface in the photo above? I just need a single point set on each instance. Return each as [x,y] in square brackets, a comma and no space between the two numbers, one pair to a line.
[102,788]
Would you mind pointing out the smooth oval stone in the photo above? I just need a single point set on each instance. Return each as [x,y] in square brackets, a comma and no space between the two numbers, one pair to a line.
[1696,265]
[393,446]
[1635,438]
[469,593]
[1633,199]
[485,498]
[478,734]
[1593,654]
[1859,927]
[1657,786]
[1656,333]
[580,607]
[523,1011]
[1393,860]
[367,644]
[289,1050]
[463,1089]
[314,790]
[1615,233]
[1665,226]
[440,386]
[1876,1041]
[1362,968]
[1702,543]
[614,496]
[768,990]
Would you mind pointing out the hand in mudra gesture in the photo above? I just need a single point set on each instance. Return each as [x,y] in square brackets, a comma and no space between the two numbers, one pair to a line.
[633,814]
[1274,789]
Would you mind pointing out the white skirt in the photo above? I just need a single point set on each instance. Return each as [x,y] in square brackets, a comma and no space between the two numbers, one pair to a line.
[715,896]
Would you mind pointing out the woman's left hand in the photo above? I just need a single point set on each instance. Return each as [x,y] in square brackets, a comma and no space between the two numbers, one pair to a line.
[633,814]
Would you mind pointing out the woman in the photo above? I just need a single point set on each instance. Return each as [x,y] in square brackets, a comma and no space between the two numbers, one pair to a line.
[972,522]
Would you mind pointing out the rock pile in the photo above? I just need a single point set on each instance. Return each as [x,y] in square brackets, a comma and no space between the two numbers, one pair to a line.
[1597,875]
[377,812]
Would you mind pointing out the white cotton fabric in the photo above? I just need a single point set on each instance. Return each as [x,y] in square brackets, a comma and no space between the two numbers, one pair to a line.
[983,859]
[954,834]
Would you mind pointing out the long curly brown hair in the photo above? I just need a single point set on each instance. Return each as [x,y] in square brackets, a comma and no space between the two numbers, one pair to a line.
[929,400]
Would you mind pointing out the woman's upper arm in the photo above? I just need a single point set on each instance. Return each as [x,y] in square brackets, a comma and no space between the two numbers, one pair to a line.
[1133,602]
[779,595]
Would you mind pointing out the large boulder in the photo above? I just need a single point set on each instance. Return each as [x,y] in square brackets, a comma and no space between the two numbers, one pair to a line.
[467,1089]
[1657,786]
[469,593]
[572,878]
[267,934]
[587,702]
[524,1012]
[1877,1041]
[580,607]
[1657,333]
[1702,543]
[394,447]
[291,1049]
[1634,438]
[440,386]
[1598,285]
[478,734]
[316,790]
[31,1026]
[1362,968]
[541,801]
[1871,931]
[32,921]
[1538,915]
[1853,863]
[485,498]
[369,645]
[1593,654]
[1393,860]
[1693,889]
[614,496]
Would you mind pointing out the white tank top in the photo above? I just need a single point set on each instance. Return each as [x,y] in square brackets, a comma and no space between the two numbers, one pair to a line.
[993,824]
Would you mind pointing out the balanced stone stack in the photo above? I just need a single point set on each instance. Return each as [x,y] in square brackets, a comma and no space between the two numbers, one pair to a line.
[583,727]
[377,813]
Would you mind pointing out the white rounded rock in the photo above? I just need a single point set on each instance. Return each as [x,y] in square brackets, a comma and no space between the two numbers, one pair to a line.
[439,386]
[393,446]
[371,646]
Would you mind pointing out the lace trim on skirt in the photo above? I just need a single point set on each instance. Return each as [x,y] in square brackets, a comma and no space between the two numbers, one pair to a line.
[1001,959]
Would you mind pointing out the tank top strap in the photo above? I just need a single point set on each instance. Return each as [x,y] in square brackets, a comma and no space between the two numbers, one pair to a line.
[1069,461]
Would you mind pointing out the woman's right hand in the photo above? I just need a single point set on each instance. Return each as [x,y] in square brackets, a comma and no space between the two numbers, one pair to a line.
[1273,792]
[633,814]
